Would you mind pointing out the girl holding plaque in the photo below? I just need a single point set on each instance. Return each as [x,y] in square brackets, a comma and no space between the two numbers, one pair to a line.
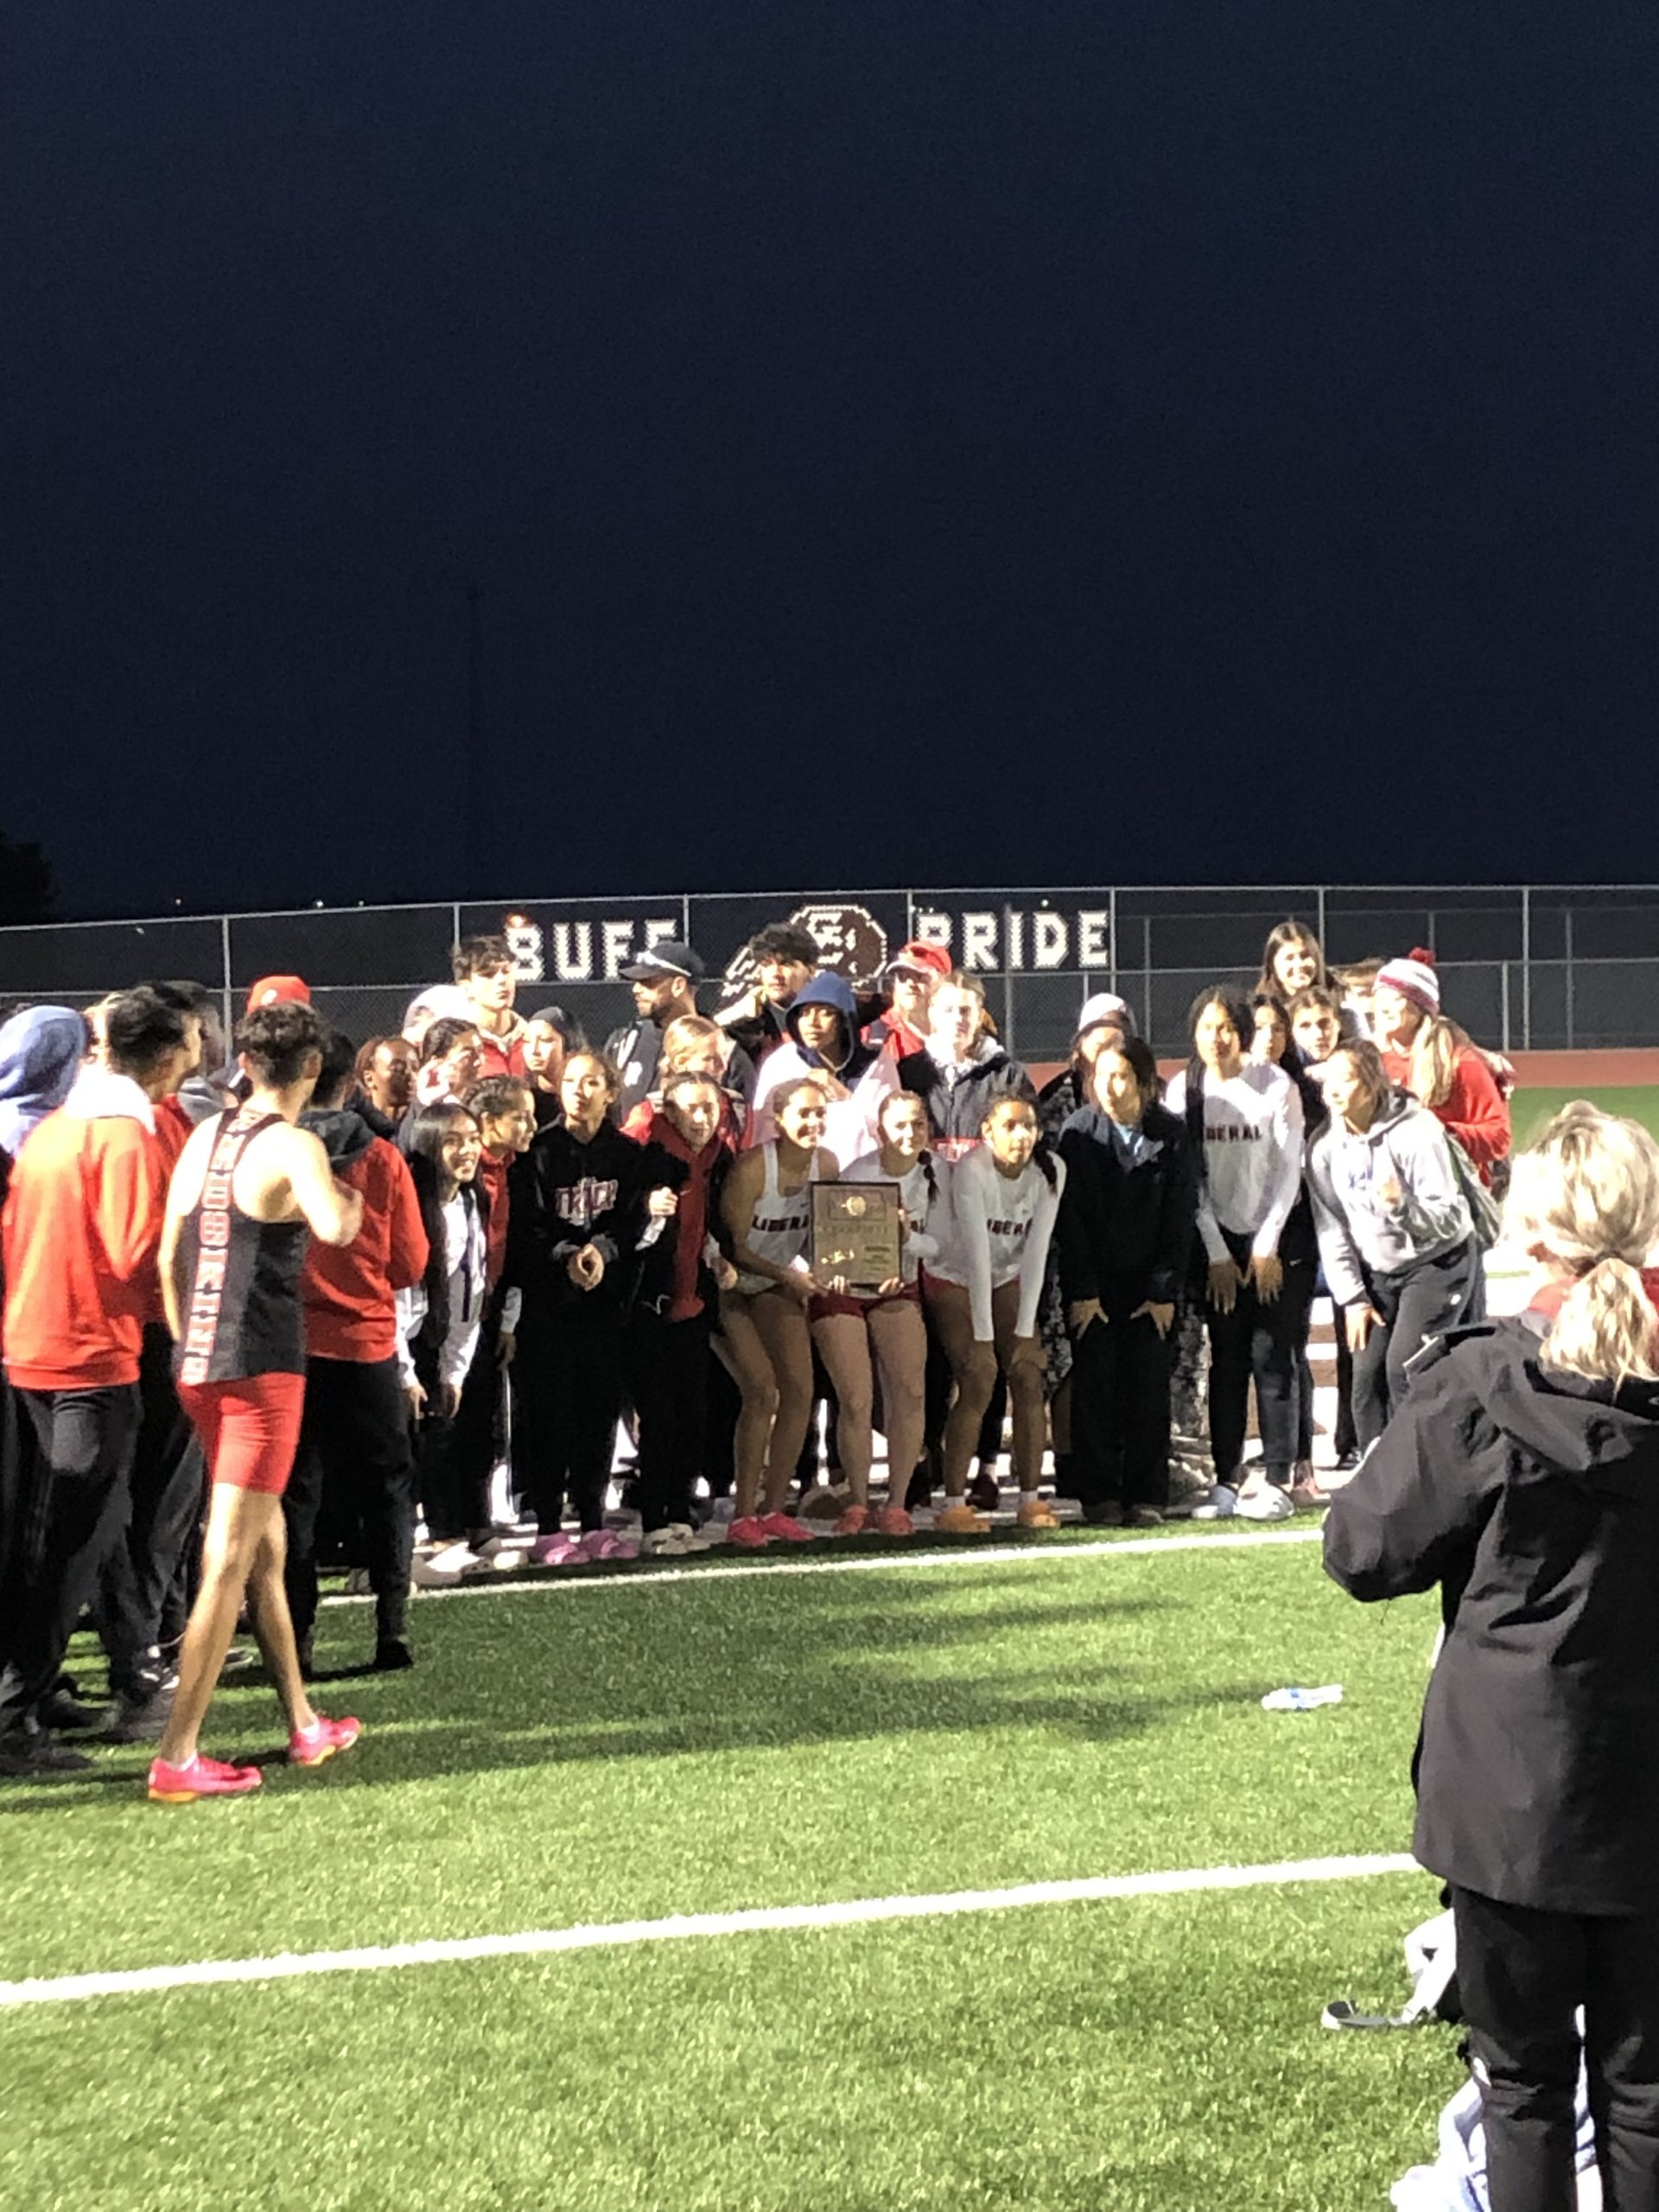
[859,1337]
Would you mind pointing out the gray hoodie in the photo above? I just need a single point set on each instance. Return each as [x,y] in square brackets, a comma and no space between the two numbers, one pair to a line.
[1358,1229]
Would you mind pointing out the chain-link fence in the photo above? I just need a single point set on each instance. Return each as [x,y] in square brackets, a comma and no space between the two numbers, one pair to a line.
[1537,967]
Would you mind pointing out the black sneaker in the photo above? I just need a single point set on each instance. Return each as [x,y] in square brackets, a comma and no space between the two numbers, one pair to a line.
[919,1495]
[984,1493]
[29,1752]
[60,1710]
[1349,1460]
[391,1656]
[139,1719]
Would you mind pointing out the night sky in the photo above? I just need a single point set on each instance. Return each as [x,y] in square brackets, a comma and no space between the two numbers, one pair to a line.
[1067,441]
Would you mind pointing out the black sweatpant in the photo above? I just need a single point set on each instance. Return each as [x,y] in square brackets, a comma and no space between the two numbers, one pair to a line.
[668,1364]
[1521,1973]
[355,1449]
[457,1497]
[169,1491]
[1120,1413]
[567,1374]
[1257,1341]
[1416,1303]
[83,1460]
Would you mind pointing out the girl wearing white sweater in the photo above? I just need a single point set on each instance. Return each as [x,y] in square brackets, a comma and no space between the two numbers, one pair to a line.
[983,1292]
[1245,1121]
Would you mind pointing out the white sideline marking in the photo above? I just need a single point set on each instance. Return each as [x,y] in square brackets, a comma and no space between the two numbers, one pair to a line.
[287,1966]
[561,1581]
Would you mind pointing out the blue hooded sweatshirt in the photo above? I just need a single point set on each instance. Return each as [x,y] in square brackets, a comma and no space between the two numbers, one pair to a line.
[41,1050]
[827,988]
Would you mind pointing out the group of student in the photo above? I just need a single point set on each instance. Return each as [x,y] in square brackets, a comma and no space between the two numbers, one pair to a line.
[361,1281]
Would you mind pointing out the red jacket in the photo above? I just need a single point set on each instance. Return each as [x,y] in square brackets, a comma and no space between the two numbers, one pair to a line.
[1474,1108]
[349,1290]
[493,1174]
[82,1222]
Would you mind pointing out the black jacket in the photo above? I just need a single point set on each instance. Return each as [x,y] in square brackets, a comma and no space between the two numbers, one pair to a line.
[1124,1234]
[1532,1499]
[566,1194]
[959,1109]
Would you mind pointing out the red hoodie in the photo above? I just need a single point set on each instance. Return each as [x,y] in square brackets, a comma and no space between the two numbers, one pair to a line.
[493,1174]
[349,1290]
[82,1223]
[1473,1108]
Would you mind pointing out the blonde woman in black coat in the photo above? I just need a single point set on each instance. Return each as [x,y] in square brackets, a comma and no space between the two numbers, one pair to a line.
[1522,1476]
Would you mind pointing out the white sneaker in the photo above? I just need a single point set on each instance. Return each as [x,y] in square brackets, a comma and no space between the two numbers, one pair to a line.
[672,1541]
[1217,1505]
[1269,1502]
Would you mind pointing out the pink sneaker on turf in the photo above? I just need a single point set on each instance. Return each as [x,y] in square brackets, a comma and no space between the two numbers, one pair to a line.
[786,1529]
[311,1746]
[199,1777]
[748,1533]
[552,1551]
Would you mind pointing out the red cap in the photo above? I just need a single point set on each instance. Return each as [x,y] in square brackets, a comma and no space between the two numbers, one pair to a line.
[279,990]
[928,958]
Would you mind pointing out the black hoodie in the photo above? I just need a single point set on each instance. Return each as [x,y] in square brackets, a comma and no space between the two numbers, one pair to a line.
[566,1194]
[1125,1224]
[1532,1499]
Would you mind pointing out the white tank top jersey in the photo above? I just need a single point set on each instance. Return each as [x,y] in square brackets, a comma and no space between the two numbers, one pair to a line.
[924,1209]
[781,1224]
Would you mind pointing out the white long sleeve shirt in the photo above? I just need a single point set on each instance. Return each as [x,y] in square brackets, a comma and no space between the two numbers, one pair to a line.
[998,1229]
[1252,1156]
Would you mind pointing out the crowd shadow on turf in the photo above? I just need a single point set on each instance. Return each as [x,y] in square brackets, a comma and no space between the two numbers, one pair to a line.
[501,1686]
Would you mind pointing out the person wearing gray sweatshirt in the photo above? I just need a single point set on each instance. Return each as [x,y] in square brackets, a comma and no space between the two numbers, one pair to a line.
[1395,1235]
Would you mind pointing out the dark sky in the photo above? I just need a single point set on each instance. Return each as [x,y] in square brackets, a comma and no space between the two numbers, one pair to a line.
[1061,441]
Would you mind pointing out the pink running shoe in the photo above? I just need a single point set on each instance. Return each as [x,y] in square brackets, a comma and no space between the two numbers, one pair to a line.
[554,1550]
[311,1746]
[853,1522]
[893,1520]
[748,1533]
[786,1529]
[199,1777]
[604,1544]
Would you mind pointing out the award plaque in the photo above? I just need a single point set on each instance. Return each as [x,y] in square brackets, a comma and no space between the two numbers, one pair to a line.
[856,1234]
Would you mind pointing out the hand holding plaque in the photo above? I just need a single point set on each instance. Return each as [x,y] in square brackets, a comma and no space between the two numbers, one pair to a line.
[857,1235]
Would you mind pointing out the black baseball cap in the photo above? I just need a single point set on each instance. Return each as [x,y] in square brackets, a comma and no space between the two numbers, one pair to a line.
[666,958]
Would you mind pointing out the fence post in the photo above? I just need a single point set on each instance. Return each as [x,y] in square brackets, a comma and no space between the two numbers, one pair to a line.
[1566,932]
[1111,940]
[225,995]
[1319,897]
[1503,992]
[1145,974]
[1526,967]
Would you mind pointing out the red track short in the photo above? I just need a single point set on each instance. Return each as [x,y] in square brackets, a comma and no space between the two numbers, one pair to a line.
[248,1429]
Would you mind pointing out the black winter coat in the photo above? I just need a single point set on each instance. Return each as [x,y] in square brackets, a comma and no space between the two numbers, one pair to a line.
[1124,1234]
[1532,1499]
[957,1109]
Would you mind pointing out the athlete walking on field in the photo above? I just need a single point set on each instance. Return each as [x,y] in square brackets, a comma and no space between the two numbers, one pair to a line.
[249,1190]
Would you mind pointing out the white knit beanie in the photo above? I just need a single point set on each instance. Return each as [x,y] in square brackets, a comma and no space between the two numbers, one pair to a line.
[1414,977]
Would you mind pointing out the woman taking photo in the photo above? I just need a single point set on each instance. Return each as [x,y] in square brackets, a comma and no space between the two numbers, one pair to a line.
[859,1338]
[766,1207]
[1125,1235]
[1396,1238]
[982,1294]
[1523,1478]
[1245,1123]
[1440,1064]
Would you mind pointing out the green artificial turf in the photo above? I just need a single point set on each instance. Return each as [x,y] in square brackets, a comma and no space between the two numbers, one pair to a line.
[711,1744]
[1529,1110]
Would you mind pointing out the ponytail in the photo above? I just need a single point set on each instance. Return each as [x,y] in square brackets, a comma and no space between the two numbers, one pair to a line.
[1606,1330]
[1042,1157]
[1586,1193]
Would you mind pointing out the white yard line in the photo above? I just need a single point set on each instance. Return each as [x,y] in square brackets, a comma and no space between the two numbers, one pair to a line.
[64,1989]
[562,1581]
